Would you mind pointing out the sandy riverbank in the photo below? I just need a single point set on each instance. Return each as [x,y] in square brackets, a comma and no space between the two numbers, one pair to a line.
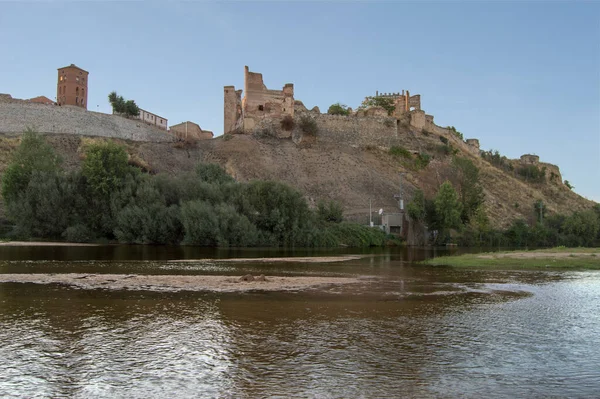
[301,259]
[177,282]
[558,258]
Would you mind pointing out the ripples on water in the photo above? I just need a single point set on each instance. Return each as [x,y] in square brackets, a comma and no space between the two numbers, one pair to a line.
[412,332]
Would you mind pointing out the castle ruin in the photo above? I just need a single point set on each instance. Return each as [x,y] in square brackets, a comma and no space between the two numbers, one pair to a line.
[259,102]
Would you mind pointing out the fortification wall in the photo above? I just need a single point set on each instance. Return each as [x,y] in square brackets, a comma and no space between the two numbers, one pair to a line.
[16,116]
[362,131]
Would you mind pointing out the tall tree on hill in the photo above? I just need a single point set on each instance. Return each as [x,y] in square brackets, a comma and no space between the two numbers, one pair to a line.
[121,106]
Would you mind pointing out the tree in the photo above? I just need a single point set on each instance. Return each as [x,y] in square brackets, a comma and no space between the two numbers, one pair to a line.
[416,207]
[447,207]
[120,106]
[331,211]
[105,166]
[469,188]
[386,103]
[33,154]
[569,185]
[338,109]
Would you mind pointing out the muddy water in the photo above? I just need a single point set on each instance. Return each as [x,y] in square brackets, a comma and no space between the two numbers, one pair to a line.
[402,331]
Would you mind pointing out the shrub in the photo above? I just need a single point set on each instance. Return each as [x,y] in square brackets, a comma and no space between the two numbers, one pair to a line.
[78,233]
[532,173]
[386,103]
[425,132]
[444,140]
[422,160]
[287,123]
[455,132]
[212,173]
[308,125]
[400,152]
[331,211]
[569,185]
[338,109]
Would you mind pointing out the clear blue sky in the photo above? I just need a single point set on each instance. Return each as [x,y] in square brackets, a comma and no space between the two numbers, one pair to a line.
[523,77]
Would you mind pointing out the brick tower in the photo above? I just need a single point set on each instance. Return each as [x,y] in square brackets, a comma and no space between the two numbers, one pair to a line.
[71,87]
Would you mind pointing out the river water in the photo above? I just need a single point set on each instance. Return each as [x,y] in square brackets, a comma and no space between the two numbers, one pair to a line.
[404,331]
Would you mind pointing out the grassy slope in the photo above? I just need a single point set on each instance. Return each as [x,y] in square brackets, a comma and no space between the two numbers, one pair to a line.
[556,258]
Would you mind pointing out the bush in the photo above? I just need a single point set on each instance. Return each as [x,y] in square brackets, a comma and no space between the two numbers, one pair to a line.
[212,173]
[444,140]
[569,186]
[338,109]
[532,173]
[422,160]
[78,233]
[386,103]
[287,123]
[308,125]
[400,152]
[455,132]
[331,211]
[33,154]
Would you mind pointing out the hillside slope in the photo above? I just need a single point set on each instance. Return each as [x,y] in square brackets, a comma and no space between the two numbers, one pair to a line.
[349,173]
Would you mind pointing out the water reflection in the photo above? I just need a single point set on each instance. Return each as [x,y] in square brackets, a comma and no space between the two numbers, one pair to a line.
[407,332]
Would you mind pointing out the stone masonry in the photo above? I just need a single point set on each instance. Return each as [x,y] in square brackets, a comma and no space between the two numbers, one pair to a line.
[16,116]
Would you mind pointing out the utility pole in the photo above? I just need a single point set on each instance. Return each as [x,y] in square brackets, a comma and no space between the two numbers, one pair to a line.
[399,196]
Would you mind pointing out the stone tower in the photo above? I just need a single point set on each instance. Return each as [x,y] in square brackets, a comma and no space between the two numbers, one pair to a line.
[72,86]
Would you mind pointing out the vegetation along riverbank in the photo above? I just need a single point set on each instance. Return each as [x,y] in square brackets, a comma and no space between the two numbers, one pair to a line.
[576,258]
[112,199]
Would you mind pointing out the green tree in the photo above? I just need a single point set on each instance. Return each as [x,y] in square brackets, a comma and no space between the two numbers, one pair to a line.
[447,208]
[583,225]
[105,166]
[122,106]
[33,154]
[212,173]
[338,109]
[331,211]
[386,103]
[416,207]
[469,187]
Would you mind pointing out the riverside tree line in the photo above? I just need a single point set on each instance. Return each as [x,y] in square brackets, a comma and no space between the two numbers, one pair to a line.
[458,215]
[109,199]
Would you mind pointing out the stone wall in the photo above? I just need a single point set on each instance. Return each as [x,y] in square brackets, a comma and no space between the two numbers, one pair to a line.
[353,130]
[17,116]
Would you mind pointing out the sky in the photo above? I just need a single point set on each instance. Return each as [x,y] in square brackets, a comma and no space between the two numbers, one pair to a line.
[522,77]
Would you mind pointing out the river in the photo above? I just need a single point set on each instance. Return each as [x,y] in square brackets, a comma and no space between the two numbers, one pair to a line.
[404,331]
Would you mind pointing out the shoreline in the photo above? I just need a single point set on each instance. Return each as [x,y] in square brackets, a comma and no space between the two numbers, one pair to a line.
[175,283]
[552,258]
[45,244]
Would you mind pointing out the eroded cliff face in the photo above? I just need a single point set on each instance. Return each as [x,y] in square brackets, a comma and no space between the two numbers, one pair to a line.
[331,165]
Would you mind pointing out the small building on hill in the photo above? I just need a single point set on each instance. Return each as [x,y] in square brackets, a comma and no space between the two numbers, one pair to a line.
[152,119]
[190,130]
